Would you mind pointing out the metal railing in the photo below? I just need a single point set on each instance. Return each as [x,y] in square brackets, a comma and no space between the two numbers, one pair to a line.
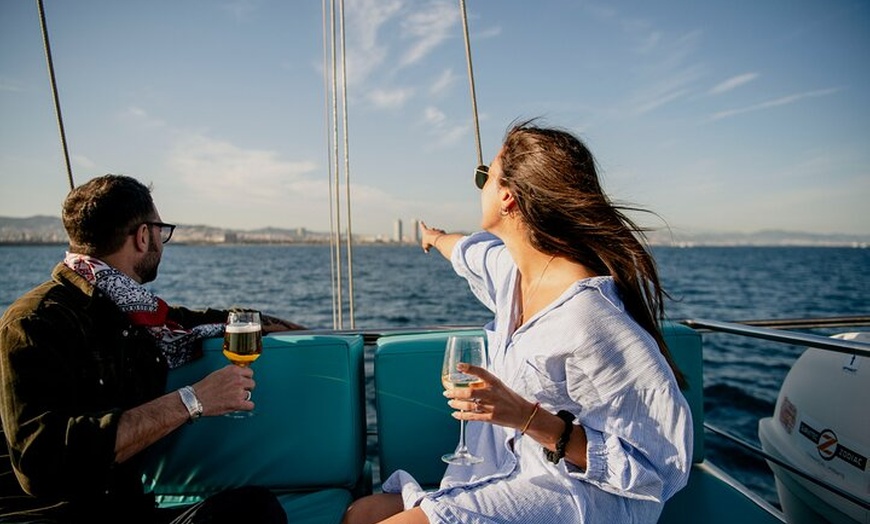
[777,331]
[755,329]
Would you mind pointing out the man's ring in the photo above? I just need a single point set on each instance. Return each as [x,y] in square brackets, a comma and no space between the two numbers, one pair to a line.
[476,405]
[247,395]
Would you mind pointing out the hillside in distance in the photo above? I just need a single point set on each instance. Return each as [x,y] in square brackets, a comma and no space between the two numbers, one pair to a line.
[49,230]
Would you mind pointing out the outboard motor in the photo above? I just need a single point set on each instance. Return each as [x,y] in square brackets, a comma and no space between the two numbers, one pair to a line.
[821,425]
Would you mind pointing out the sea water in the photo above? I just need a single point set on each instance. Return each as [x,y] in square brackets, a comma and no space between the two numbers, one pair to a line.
[400,286]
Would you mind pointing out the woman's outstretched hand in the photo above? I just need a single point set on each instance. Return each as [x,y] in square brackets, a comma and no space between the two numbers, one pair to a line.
[429,236]
[494,402]
[439,239]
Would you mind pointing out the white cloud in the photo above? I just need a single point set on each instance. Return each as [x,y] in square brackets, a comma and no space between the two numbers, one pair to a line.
[11,86]
[375,54]
[364,19]
[443,82]
[733,83]
[664,90]
[135,112]
[657,97]
[445,132]
[650,42]
[140,116]
[83,162]
[233,175]
[429,27]
[451,135]
[668,54]
[390,98]
[490,32]
[433,115]
[224,184]
[782,101]
[667,73]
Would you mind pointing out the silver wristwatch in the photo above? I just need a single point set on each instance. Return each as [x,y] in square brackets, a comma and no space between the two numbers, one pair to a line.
[193,405]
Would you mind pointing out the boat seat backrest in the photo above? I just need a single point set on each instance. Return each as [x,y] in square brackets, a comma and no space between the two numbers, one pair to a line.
[684,344]
[414,423]
[308,432]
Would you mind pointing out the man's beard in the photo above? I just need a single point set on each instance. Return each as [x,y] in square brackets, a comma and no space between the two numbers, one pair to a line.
[146,268]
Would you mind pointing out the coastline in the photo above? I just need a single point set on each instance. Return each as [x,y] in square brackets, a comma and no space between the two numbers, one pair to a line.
[387,243]
[47,230]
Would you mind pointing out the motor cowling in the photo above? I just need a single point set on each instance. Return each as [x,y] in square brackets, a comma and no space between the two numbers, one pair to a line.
[821,425]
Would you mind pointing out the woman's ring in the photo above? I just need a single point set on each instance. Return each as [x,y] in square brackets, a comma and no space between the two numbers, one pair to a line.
[247,395]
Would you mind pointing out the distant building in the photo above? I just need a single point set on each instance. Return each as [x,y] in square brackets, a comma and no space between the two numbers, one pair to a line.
[417,238]
[397,231]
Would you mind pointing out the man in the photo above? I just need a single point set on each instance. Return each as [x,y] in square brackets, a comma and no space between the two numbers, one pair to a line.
[83,367]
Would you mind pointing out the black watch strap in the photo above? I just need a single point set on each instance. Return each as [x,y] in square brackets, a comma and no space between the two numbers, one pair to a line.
[559,453]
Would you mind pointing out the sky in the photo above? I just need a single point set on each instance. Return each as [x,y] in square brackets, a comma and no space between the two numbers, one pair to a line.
[734,116]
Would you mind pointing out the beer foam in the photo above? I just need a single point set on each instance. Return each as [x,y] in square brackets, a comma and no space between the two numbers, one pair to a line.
[243,327]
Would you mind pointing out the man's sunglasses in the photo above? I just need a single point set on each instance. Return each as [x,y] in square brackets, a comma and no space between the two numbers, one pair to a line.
[481,174]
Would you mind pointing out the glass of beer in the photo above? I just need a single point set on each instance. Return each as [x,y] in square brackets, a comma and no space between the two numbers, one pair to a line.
[243,343]
[470,349]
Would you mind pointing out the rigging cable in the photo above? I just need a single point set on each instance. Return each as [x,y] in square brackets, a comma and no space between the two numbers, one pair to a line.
[336,182]
[471,82]
[51,79]
[337,208]
[349,238]
[334,276]
[335,166]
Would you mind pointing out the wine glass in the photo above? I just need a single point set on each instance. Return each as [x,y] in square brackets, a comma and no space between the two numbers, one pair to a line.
[243,343]
[471,350]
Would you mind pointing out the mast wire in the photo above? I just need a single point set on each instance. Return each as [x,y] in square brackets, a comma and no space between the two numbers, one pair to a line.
[51,78]
[335,188]
[349,238]
[333,121]
[334,279]
[471,82]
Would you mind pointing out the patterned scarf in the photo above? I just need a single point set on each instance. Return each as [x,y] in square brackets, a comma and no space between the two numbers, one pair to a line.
[144,308]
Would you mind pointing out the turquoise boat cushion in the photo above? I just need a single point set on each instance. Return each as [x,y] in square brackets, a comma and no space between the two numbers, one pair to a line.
[308,432]
[408,397]
[414,423]
[324,506]
[685,346]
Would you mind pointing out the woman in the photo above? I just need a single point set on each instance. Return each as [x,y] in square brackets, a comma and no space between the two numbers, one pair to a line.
[581,419]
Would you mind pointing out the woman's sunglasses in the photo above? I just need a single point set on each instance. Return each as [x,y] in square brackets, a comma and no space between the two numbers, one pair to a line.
[481,174]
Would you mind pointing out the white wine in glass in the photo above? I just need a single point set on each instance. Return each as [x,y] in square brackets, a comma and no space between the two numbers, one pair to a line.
[243,343]
[471,350]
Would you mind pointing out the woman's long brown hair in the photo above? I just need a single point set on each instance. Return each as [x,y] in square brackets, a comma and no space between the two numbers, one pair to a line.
[553,178]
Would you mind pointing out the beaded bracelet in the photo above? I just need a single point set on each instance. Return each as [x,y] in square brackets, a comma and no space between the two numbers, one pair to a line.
[556,456]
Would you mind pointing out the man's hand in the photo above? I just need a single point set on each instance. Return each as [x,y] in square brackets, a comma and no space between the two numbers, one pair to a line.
[226,390]
[274,324]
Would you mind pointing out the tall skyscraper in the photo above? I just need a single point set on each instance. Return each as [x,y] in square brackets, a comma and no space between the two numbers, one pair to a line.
[397,231]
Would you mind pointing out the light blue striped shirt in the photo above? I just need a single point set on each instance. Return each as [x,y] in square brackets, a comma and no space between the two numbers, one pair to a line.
[582,353]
